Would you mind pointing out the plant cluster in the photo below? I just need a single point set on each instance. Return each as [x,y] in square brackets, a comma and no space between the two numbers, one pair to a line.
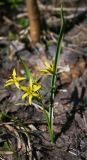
[32,89]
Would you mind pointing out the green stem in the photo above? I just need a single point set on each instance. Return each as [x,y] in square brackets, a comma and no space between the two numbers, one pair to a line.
[53,84]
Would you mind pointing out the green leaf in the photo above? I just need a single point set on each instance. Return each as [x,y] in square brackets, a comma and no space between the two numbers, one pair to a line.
[5,147]
[47,117]
[53,83]
[26,69]
[23,22]
[1,3]
[4,117]
[59,43]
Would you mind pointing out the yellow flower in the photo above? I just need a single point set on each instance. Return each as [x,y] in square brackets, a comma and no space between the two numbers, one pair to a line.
[31,90]
[14,79]
[49,69]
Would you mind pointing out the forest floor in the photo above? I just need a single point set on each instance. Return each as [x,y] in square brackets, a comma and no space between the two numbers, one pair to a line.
[70,112]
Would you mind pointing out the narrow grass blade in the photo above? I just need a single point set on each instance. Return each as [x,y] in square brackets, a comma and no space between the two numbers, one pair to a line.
[56,63]
[59,43]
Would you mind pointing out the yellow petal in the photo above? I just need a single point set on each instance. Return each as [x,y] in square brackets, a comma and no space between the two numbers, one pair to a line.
[36,95]
[24,95]
[17,84]
[30,99]
[20,78]
[50,70]
[52,67]
[23,88]
[8,84]
[47,64]
[10,80]
[14,73]
[44,70]
[47,72]
[36,87]
[30,83]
